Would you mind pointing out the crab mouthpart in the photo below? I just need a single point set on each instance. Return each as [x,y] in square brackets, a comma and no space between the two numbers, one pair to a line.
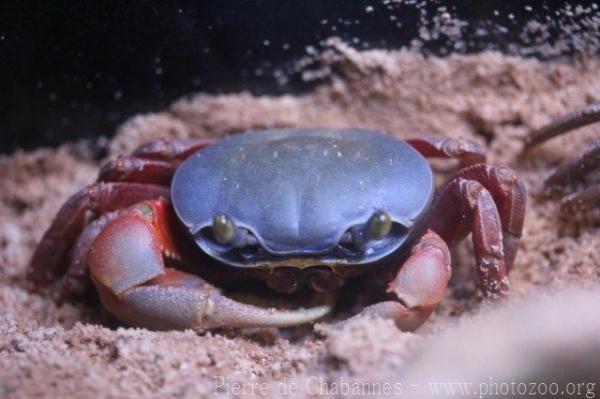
[288,279]
[305,262]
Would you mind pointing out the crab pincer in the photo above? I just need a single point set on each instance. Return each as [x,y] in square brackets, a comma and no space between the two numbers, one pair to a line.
[126,263]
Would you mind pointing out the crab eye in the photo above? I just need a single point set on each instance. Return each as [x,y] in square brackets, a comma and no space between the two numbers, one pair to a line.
[375,232]
[228,234]
[376,228]
[225,230]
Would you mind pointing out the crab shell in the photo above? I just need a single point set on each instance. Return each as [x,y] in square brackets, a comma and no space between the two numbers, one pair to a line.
[298,191]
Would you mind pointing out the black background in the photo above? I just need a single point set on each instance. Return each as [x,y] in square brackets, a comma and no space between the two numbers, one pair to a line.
[75,69]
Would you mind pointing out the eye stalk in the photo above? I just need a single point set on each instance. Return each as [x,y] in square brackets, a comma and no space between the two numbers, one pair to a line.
[226,232]
[376,228]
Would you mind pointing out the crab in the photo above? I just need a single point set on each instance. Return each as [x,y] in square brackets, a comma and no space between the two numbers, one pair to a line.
[299,209]
[574,171]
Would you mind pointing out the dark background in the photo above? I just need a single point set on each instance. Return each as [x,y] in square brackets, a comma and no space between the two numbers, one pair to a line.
[76,69]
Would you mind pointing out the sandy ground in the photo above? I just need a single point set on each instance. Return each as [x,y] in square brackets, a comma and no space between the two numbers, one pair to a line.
[546,332]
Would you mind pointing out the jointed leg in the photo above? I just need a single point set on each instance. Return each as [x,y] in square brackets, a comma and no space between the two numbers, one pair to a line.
[466,203]
[467,152]
[126,264]
[506,188]
[508,195]
[569,122]
[50,254]
[138,170]
[582,201]
[154,162]
[490,202]
[171,150]
[75,280]
[128,180]
[576,170]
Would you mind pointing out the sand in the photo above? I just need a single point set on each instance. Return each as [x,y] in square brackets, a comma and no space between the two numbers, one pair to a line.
[549,324]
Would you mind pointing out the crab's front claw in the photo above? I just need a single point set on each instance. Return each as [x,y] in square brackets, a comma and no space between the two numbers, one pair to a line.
[127,267]
[177,300]
[418,286]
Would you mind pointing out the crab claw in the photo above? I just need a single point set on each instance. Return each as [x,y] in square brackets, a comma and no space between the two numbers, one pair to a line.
[178,300]
[418,286]
[127,267]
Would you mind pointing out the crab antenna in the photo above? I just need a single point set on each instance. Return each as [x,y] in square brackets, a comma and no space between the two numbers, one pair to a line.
[226,232]
[376,228]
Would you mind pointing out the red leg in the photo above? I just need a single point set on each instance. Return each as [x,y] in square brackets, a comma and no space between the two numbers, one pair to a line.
[76,279]
[575,170]
[127,267]
[138,170]
[48,259]
[466,151]
[567,123]
[418,286]
[507,190]
[582,201]
[466,204]
[154,162]
[171,150]
[509,195]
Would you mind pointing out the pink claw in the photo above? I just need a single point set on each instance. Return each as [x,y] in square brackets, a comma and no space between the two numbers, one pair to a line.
[126,264]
